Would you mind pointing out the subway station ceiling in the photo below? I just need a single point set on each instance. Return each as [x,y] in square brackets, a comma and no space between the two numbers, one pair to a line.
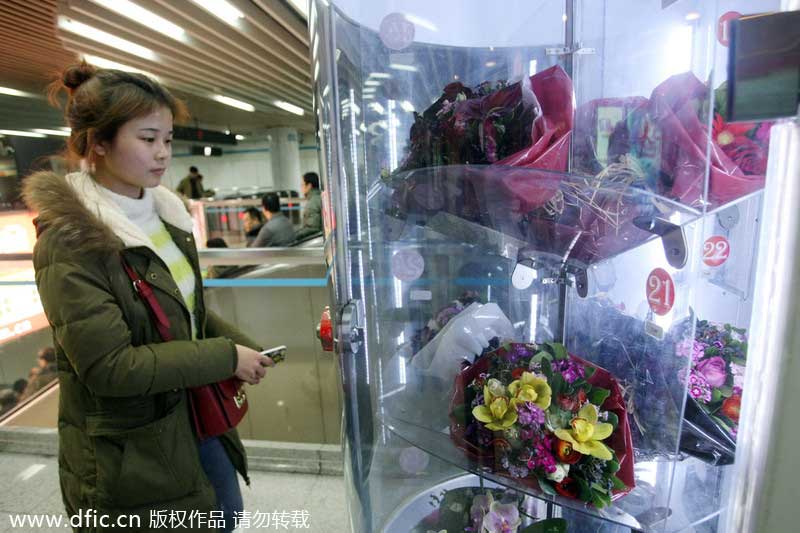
[256,53]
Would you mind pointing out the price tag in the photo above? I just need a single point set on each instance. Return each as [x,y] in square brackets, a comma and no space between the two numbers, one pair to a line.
[407,265]
[716,250]
[660,291]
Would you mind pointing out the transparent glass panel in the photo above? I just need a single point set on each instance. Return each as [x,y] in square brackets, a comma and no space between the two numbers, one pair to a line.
[563,163]
[275,304]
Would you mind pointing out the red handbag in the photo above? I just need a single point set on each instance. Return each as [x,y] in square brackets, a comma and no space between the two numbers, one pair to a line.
[216,407]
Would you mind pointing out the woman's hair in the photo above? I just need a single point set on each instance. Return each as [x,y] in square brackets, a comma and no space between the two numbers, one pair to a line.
[100,101]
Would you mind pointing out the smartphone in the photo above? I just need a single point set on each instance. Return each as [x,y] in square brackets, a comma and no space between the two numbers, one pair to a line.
[277,353]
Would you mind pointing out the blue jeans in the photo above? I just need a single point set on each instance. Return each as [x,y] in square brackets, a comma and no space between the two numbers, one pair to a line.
[222,475]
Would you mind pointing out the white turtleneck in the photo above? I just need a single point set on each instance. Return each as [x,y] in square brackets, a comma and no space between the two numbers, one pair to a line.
[142,213]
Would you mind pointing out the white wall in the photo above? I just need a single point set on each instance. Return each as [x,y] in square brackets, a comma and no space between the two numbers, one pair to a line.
[247,164]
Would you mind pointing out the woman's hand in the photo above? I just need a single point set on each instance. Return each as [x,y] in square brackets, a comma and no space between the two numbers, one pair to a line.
[251,365]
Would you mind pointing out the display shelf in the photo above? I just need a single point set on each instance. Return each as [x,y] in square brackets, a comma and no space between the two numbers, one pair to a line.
[574,219]
[638,510]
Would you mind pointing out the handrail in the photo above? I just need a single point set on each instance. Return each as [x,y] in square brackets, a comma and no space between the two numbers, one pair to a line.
[263,256]
[245,202]
[234,256]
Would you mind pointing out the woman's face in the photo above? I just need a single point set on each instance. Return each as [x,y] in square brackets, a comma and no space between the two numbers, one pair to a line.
[138,155]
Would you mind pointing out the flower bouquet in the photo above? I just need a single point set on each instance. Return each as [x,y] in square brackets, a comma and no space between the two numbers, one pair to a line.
[524,124]
[715,382]
[546,418]
[476,510]
[667,135]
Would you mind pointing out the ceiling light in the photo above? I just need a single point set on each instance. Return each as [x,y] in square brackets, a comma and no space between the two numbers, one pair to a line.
[108,64]
[60,133]
[400,66]
[377,107]
[286,106]
[490,64]
[407,107]
[144,17]
[372,83]
[100,36]
[233,102]
[14,92]
[240,137]
[692,15]
[227,132]
[221,9]
[64,128]
[21,133]
[380,75]
[369,96]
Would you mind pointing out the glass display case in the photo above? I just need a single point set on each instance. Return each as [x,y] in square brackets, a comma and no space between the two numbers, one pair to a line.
[542,234]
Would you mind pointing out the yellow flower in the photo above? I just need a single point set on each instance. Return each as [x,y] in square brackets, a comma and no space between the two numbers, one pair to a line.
[497,412]
[586,434]
[529,388]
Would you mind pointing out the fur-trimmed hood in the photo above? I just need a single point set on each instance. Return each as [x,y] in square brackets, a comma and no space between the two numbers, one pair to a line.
[85,220]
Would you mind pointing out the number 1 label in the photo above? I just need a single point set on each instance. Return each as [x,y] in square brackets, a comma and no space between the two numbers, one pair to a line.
[660,291]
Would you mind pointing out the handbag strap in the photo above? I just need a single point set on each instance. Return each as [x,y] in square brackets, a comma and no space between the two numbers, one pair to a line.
[144,290]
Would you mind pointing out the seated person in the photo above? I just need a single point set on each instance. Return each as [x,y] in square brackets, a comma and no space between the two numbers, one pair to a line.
[218,271]
[252,221]
[41,375]
[278,231]
[312,213]
[8,399]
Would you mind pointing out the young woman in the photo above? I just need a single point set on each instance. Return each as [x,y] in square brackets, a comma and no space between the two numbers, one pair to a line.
[126,442]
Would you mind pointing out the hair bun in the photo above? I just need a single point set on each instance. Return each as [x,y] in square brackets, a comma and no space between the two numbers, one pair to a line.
[74,75]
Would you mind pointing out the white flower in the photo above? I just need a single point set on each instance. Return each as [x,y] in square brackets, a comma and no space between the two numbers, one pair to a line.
[560,473]
[496,387]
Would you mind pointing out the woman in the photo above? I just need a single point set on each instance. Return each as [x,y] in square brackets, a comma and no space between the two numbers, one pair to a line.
[126,443]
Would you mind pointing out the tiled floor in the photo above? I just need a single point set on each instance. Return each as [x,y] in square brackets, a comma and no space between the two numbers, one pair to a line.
[30,485]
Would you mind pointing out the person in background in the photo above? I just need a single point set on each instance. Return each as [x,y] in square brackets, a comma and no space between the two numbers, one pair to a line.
[192,185]
[42,374]
[218,271]
[7,400]
[19,387]
[312,213]
[127,442]
[278,231]
[253,221]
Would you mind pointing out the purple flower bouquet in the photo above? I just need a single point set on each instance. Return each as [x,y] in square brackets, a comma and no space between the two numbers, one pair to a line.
[715,385]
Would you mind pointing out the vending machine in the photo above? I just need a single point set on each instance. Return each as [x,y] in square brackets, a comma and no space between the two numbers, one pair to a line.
[543,220]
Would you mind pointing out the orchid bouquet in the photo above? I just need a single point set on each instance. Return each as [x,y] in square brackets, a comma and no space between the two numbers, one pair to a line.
[540,415]
[476,510]
[716,377]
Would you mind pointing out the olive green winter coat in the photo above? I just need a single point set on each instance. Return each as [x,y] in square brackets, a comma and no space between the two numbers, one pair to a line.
[126,444]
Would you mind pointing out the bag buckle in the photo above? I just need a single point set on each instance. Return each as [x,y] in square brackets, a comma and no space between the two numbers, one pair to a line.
[136,285]
[240,398]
